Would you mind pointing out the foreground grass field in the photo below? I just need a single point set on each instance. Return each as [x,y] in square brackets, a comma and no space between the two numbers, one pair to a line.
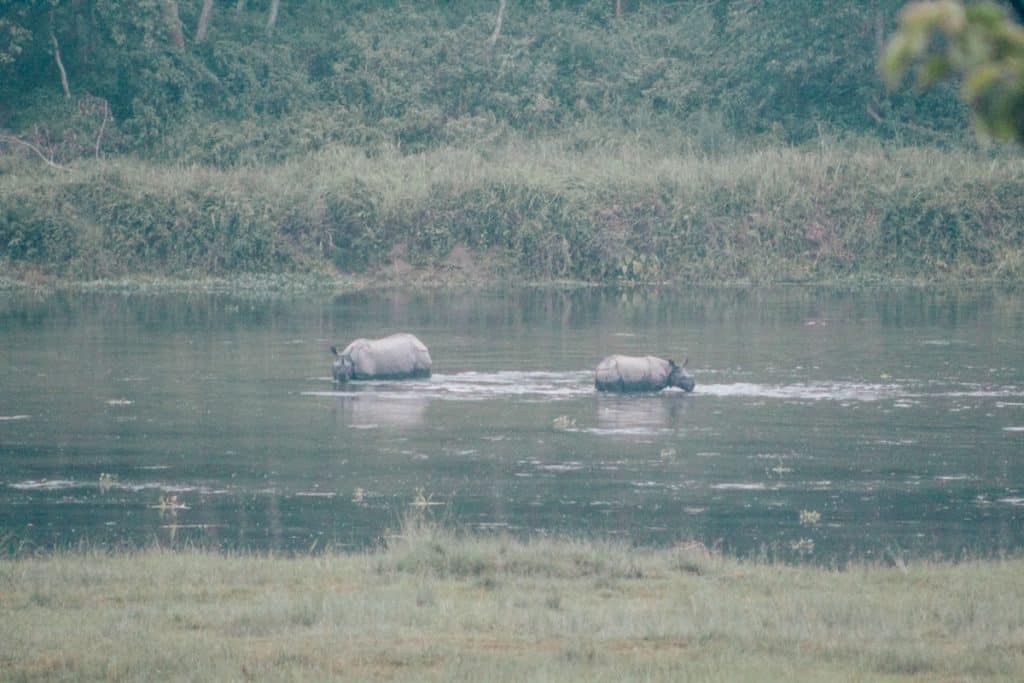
[437,606]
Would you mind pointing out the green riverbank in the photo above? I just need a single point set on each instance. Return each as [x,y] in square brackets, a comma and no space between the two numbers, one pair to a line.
[437,606]
[430,144]
[632,211]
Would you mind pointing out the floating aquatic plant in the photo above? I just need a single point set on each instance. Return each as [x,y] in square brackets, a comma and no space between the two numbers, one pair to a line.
[809,517]
[422,500]
[564,422]
[169,505]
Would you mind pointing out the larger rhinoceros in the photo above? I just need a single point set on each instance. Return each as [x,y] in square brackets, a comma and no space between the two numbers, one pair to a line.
[641,373]
[400,356]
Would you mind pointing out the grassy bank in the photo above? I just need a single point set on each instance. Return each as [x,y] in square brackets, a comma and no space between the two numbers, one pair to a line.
[436,606]
[638,210]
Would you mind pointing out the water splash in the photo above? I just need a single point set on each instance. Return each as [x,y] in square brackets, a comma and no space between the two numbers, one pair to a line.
[623,431]
[553,386]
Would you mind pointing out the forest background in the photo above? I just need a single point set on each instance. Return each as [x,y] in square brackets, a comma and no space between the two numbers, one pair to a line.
[598,140]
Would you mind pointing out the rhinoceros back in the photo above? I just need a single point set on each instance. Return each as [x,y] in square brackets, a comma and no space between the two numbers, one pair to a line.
[396,357]
[632,373]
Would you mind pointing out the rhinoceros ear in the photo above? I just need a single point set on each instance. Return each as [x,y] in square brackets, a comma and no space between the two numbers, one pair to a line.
[334,350]
[685,361]
[672,363]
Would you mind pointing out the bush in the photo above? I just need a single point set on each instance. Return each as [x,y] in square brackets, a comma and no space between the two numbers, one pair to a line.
[34,229]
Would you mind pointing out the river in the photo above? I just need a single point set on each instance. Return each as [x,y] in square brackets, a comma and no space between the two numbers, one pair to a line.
[826,424]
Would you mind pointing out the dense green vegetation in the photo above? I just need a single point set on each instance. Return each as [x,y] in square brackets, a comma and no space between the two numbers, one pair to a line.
[424,75]
[726,139]
[434,605]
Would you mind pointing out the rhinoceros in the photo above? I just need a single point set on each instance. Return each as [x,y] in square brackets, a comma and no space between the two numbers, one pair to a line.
[641,373]
[400,356]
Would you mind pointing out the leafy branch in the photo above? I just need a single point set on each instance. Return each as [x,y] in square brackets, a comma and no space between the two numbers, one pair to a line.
[979,45]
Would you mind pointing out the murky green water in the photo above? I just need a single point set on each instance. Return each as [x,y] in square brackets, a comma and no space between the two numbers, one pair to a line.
[896,416]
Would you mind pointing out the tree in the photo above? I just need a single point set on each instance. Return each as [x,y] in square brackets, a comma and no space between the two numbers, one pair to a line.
[173,23]
[979,45]
[15,35]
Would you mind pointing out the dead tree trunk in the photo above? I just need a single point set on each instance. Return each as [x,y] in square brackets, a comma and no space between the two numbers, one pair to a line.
[60,65]
[204,21]
[275,5]
[497,22]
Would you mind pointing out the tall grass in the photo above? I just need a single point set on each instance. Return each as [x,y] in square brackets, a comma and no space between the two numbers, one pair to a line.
[634,210]
[438,605]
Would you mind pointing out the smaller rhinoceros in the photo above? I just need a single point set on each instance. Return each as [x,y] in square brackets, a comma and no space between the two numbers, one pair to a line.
[641,373]
[400,356]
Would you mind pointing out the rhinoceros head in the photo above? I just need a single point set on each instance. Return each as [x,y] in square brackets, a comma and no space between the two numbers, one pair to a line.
[343,367]
[679,377]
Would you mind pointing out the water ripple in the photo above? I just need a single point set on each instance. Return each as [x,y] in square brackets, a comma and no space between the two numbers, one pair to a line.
[63,484]
[808,391]
[475,386]
[44,484]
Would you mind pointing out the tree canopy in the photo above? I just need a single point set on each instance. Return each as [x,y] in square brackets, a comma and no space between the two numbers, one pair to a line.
[227,82]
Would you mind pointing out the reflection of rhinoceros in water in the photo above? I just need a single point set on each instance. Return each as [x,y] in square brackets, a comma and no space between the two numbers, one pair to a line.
[644,373]
[639,415]
[400,356]
[368,409]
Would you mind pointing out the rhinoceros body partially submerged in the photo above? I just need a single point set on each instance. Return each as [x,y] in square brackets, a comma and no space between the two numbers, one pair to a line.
[641,373]
[400,356]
